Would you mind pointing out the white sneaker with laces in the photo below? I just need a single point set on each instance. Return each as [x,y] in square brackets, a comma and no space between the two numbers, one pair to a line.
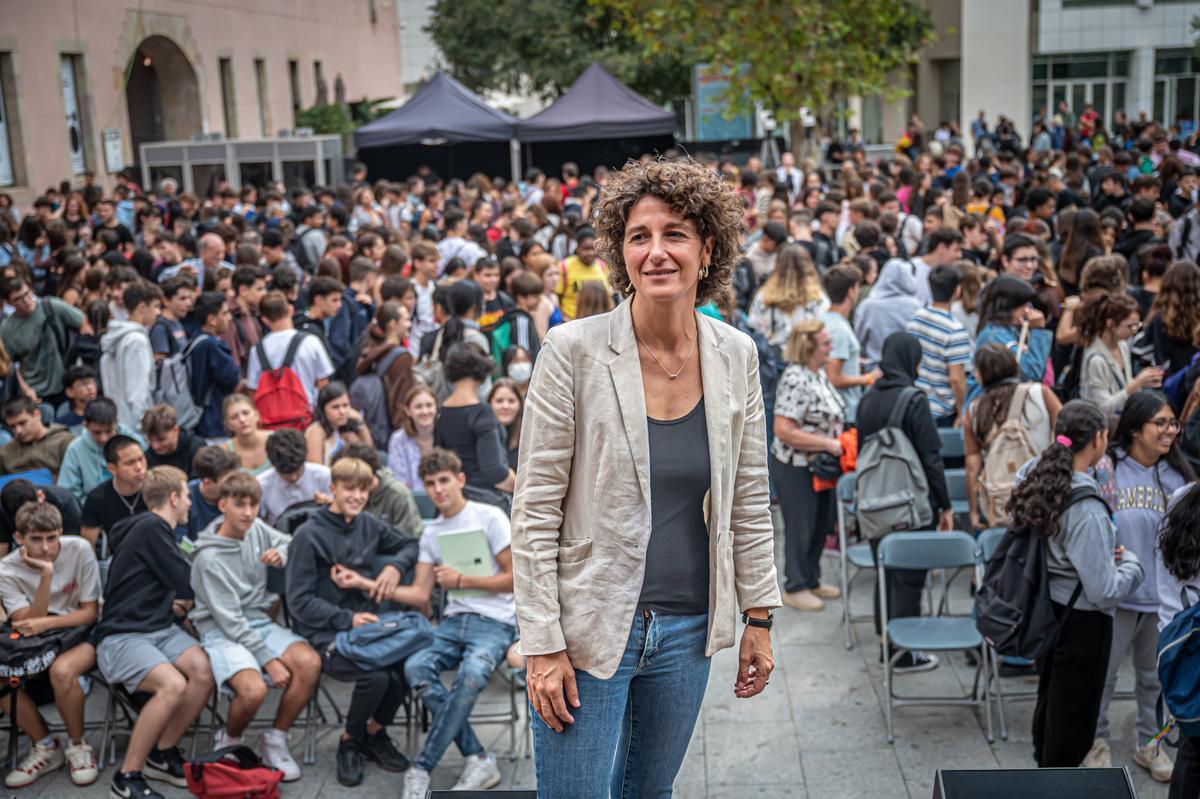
[416,783]
[82,763]
[223,739]
[1155,760]
[479,774]
[277,755]
[40,761]
[1099,756]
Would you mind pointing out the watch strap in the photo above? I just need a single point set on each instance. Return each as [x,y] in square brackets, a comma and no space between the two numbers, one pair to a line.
[766,623]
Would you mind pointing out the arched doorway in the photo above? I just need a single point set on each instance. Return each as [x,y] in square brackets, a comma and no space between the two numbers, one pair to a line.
[162,94]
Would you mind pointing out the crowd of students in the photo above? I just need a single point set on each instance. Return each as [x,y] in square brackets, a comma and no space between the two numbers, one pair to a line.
[186,378]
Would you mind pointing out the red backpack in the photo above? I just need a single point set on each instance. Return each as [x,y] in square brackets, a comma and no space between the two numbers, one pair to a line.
[280,397]
[234,772]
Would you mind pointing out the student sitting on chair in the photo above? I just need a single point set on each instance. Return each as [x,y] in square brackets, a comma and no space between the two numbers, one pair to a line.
[51,582]
[229,578]
[342,534]
[139,644]
[476,630]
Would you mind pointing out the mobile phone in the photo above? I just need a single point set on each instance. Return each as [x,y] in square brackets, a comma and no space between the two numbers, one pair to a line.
[1165,365]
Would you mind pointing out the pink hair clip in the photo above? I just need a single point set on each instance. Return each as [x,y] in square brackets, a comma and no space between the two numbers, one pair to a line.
[1066,442]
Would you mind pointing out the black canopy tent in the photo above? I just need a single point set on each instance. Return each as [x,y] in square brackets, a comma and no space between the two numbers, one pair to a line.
[445,126]
[599,120]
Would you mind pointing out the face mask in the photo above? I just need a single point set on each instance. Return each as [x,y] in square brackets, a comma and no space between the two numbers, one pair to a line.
[521,372]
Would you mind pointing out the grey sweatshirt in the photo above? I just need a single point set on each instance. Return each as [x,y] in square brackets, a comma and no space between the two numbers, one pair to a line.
[1082,551]
[230,583]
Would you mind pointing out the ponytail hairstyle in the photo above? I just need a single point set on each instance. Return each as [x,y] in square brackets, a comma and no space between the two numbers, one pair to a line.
[1137,412]
[385,314]
[1096,313]
[464,300]
[1179,536]
[1037,505]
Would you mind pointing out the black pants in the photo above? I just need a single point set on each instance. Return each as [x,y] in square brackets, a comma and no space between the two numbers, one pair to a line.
[1070,686]
[1185,781]
[377,695]
[808,516]
[904,587]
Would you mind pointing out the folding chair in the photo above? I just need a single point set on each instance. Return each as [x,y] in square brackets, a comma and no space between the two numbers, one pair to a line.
[988,540]
[953,450]
[858,556]
[929,550]
[956,485]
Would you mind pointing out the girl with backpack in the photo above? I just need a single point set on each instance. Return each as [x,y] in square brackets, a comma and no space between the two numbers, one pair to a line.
[1148,469]
[1033,407]
[1177,568]
[1088,576]
[900,358]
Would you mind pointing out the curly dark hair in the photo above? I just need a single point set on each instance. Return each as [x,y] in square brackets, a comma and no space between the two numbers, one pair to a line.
[1093,318]
[1178,301]
[1179,536]
[1037,505]
[691,189]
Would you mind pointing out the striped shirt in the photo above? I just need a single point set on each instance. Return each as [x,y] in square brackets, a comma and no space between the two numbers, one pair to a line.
[944,343]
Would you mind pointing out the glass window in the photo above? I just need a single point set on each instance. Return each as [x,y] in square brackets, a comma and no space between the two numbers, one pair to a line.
[1160,94]
[1171,62]
[228,103]
[1039,99]
[174,172]
[206,177]
[1185,99]
[1120,66]
[299,174]
[1099,97]
[1078,97]
[1118,96]
[255,173]
[1039,70]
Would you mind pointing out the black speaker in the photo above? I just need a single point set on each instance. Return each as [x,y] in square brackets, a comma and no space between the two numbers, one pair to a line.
[1034,783]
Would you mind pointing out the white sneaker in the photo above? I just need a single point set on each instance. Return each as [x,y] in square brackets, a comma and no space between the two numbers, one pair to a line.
[1099,756]
[1154,760]
[479,774]
[416,783]
[277,755]
[82,763]
[223,739]
[41,760]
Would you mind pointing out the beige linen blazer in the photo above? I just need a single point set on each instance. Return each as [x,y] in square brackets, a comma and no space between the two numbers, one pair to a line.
[581,513]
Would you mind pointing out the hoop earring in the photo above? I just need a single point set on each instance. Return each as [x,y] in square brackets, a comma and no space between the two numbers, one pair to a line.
[704,272]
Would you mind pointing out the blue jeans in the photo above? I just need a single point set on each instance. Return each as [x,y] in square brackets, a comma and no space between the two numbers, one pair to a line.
[631,731]
[475,644]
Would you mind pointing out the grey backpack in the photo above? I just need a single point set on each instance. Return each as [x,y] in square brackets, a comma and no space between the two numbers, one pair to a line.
[891,490]
[174,386]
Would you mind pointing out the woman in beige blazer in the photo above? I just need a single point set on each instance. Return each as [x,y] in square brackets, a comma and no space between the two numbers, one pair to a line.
[641,530]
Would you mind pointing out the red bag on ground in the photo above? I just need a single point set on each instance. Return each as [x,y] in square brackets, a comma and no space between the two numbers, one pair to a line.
[235,772]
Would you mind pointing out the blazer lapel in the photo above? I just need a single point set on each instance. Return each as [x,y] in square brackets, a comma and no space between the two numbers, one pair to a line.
[718,397]
[626,373]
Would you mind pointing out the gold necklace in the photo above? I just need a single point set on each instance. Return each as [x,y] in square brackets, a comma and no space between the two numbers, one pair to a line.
[682,366]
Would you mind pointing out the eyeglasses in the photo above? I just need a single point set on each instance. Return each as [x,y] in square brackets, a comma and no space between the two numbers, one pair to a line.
[1167,425]
[1033,259]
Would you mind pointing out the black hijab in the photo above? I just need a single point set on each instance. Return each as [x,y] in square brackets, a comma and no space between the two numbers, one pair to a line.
[899,362]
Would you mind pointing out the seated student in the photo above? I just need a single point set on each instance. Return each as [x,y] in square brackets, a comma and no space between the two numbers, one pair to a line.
[14,496]
[34,445]
[343,535]
[83,464]
[211,466]
[232,616]
[292,478]
[476,630]
[169,445]
[390,500]
[79,384]
[51,582]
[118,498]
[138,643]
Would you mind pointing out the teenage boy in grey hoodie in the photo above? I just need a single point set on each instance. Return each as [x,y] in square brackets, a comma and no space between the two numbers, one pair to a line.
[126,357]
[229,578]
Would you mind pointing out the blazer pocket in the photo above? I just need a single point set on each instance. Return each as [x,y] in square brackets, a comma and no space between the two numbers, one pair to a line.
[574,550]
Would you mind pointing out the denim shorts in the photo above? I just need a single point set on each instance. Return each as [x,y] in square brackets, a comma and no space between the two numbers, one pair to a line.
[229,657]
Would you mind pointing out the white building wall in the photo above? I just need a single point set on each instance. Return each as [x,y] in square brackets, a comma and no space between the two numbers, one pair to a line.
[996,66]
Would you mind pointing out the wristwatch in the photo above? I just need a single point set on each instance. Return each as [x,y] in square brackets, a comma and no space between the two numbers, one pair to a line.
[766,623]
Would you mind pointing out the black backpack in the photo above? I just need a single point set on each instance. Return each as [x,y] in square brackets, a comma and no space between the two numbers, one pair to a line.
[1012,606]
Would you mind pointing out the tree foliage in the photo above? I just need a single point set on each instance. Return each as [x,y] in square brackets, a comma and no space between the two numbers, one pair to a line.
[795,53]
[544,45]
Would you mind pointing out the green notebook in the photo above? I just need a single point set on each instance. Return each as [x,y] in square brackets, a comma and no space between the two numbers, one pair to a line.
[468,553]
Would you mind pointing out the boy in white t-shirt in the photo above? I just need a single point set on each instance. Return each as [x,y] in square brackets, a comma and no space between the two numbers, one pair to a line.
[51,582]
[475,633]
[311,365]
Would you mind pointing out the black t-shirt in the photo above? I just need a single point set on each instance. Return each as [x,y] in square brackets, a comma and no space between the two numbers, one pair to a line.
[60,498]
[123,234]
[181,458]
[104,507]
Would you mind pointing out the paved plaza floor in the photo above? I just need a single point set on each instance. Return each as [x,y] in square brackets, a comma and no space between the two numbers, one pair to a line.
[816,733]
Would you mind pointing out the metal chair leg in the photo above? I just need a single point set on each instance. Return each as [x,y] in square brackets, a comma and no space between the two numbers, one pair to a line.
[310,743]
[995,671]
[984,666]
[842,543]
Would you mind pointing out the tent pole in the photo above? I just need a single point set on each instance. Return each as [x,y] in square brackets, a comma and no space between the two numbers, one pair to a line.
[514,159]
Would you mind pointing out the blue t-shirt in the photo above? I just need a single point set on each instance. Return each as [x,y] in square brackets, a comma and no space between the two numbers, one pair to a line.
[200,515]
